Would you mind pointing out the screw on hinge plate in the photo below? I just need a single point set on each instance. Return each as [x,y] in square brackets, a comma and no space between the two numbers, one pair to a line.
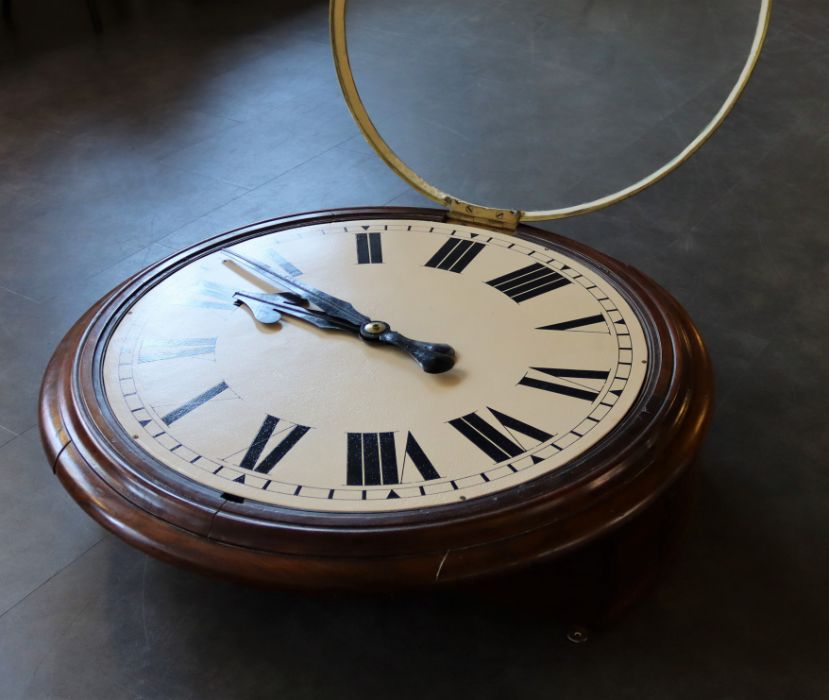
[475,215]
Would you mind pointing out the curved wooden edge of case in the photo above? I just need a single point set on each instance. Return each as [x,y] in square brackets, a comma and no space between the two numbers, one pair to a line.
[626,484]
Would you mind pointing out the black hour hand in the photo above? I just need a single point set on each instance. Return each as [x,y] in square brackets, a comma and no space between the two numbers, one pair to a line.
[334,314]
[433,358]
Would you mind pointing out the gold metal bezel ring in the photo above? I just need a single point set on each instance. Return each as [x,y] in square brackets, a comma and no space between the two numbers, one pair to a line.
[357,108]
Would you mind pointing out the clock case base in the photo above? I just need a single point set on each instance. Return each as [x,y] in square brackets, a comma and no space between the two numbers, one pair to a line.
[612,515]
[596,584]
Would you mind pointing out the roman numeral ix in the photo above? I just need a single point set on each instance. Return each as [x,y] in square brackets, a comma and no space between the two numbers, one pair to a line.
[372,459]
[528,282]
[155,350]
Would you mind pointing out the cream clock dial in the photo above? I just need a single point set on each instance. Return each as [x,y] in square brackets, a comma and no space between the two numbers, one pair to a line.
[549,357]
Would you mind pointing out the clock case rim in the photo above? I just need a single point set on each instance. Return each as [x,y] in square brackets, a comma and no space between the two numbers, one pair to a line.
[177,519]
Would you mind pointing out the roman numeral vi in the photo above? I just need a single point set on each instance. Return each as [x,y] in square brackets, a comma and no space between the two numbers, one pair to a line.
[372,459]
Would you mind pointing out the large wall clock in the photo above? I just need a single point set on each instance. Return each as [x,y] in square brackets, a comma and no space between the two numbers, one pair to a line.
[387,397]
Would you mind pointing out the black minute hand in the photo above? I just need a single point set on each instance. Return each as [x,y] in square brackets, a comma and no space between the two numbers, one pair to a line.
[432,357]
[329,304]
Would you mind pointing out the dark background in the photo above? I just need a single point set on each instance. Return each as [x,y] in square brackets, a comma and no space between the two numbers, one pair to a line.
[188,118]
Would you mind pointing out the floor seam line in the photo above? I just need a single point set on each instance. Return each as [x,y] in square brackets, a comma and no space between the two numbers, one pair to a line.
[57,573]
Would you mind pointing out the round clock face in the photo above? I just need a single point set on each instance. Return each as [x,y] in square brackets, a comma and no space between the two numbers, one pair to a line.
[549,359]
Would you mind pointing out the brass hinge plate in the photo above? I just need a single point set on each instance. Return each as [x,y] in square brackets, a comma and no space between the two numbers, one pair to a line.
[486,217]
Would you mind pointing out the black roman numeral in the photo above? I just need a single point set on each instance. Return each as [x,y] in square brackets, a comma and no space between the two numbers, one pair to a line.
[587,324]
[369,248]
[528,282]
[251,460]
[577,390]
[455,255]
[372,459]
[155,350]
[418,457]
[493,441]
[284,263]
[193,404]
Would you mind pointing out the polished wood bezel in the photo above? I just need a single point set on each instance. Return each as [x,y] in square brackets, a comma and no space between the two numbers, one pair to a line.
[176,519]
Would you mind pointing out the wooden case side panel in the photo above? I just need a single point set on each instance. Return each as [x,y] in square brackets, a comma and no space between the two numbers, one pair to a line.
[655,532]
[64,425]
[56,389]
[174,545]
[53,434]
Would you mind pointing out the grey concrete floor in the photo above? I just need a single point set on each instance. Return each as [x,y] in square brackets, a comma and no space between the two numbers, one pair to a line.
[188,118]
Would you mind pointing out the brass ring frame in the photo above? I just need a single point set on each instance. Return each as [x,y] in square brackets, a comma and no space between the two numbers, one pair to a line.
[358,111]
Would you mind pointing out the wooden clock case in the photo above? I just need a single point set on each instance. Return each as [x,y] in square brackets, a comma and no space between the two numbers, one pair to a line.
[589,536]
[603,523]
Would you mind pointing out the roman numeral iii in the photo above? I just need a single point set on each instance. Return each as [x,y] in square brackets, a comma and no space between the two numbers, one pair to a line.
[567,384]
[253,457]
[369,248]
[372,459]
[528,282]
[499,443]
[586,324]
[455,255]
